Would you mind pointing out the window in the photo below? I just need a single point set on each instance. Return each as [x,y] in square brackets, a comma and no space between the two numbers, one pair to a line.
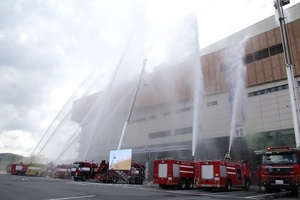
[152,117]
[183,110]
[268,90]
[251,94]
[265,53]
[258,55]
[261,54]
[185,130]
[160,134]
[137,120]
[167,114]
[277,49]
[212,103]
[249,58]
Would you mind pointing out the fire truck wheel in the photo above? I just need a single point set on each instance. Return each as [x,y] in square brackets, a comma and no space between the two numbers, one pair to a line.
[182,184]
[189,184]
[83,177]
[228,185]
[247,185]
[268,190]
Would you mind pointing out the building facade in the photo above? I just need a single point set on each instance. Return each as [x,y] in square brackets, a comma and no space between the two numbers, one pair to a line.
[162,121]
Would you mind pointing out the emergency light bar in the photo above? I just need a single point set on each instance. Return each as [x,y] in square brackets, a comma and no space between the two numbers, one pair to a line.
[279,148]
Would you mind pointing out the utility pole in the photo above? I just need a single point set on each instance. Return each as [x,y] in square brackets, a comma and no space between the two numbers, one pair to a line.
[294,97]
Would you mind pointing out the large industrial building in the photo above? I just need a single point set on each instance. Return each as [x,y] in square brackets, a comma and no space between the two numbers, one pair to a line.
[162,121]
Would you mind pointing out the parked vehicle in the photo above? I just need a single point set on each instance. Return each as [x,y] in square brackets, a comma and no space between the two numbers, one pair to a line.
[62,171]
[135,175]
[174,173]
[216,174]
[279,169]
[83,170]
[209,174]
[17,169]
[35,169]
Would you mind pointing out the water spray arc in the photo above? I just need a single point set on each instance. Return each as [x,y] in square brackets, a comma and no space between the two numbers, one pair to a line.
[60,125]
[198,113]
[108,118]
[132,105]
[74,137]
[94,132]
[236,76]
[65,113]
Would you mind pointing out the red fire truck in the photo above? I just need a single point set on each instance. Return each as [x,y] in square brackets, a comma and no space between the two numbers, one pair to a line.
[174,173]
[216,174]
[135,175]
[279,169]
[83,170]
[18,169]
[62,171]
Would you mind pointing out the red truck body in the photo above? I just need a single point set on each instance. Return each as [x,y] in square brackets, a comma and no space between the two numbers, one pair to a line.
[62,171]
[135,175]
[175,173]
[83,170]
[215,174]
[17,169]
[279,169]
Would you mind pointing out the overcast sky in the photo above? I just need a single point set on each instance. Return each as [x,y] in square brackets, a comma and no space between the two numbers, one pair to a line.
[48,47]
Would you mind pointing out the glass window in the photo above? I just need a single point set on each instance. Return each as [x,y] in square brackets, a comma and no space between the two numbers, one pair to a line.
[160,134]
[277,49]
[261,54]
[265,53]
[75,165]
[249,58]
[280,158]
[183,110]
[185,130]
[152,117]
[257,56]
[167,114]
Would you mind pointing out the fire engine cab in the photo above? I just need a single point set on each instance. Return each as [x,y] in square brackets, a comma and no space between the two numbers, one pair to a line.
[174,173]
[18,169]
[279,169]
[216,174]
[83,170]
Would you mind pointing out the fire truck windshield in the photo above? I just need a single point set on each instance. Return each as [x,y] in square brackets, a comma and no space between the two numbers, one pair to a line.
[75,165]
[290,158]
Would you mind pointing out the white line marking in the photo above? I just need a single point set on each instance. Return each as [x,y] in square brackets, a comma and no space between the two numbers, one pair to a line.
[88,196]
[207,194]
[262,195]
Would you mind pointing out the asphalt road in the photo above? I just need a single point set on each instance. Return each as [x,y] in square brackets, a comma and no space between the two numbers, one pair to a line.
[14,187]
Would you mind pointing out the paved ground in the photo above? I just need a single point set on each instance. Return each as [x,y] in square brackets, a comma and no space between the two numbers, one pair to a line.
[16,187]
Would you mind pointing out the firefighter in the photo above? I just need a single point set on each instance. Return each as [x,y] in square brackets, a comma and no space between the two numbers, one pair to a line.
[227,157]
